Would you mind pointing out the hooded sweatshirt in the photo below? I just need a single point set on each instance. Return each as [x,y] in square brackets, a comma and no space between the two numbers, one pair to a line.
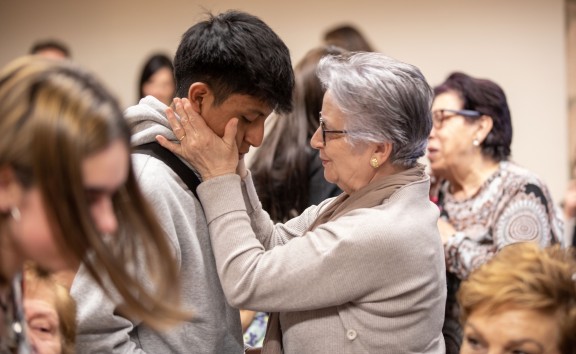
[215,326]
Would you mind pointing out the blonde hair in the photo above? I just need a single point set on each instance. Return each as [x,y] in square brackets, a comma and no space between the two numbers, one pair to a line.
[53,115]
[39,285]
[525,276]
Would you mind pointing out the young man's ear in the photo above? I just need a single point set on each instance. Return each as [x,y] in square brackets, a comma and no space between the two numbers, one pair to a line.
[196,95]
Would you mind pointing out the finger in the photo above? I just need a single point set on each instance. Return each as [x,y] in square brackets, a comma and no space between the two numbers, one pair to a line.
[175,124]
[230,132]
[173,147]
[195,121]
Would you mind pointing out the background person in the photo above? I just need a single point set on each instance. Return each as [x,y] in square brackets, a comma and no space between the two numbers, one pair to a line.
[50,314]
[344,275]
[523,300]
[349,37]
[67,191]
[51,48]
[157,79]
[486,201]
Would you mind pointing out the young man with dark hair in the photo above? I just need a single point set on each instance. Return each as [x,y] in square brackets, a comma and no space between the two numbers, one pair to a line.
[231,65]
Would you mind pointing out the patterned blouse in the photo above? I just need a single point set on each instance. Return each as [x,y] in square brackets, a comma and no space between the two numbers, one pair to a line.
[12,323]
[513,205]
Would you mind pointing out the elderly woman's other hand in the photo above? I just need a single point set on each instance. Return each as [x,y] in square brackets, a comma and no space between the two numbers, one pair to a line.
[210,154]
[446,230]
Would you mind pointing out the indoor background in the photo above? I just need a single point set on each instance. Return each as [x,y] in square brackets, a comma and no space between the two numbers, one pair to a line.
[520,44]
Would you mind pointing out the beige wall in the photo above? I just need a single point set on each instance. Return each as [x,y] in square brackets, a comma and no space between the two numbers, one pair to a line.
[520,44]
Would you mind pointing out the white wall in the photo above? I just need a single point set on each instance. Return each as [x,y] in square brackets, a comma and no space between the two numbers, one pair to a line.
[520,44]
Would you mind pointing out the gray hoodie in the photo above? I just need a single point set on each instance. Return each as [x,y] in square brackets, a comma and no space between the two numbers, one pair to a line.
[215,326]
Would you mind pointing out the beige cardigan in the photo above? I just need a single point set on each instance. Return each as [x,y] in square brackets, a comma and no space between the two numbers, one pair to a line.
[372,281]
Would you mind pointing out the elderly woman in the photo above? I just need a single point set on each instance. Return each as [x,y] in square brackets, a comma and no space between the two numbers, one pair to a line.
[523,300]
[359,273]
[486,201]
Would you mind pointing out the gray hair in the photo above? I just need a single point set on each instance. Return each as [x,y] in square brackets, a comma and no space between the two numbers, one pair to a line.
[383,100]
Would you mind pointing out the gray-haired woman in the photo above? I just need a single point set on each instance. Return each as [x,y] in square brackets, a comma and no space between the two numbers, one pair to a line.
[359,273]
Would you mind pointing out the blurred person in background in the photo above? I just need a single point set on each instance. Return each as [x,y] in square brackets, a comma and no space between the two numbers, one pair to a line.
[486,201]
[348,37]
[50,313]
[157,79]
[51,48]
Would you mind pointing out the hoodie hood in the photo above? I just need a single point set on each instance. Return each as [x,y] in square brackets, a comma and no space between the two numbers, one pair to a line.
[147,119]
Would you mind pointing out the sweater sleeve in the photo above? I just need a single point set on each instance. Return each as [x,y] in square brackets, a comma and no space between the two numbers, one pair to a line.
[324,263]
[262,225]
[100,329]
[527,216]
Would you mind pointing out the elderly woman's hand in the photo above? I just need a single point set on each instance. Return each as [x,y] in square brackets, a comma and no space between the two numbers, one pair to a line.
[210,154]
[446,230]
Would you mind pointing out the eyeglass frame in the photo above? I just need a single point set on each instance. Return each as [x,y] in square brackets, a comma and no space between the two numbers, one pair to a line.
[322,127]
[468,113]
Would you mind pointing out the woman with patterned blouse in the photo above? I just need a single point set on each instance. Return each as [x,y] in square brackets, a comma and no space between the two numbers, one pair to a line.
[486,201]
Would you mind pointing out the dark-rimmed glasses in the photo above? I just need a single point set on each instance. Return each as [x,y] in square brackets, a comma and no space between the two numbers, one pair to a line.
[439,116]
[324,131]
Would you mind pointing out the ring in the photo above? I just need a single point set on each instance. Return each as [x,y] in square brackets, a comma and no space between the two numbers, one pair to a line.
[182,138]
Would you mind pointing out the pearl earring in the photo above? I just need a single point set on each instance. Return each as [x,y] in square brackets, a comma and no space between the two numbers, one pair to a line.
[476,142]
[374,162]
[15,213]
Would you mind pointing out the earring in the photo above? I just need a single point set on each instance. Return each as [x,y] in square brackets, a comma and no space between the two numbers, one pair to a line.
[374,162]
[476,142]
[15,213]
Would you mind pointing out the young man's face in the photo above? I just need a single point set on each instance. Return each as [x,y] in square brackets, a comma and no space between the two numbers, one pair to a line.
[251,114]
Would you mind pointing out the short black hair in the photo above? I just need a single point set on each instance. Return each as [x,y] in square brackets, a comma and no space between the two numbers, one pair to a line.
[50,44]
[488,98]
[235,53]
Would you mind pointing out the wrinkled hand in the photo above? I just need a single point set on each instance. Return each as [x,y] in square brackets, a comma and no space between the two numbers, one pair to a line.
[446,230]
[210,154]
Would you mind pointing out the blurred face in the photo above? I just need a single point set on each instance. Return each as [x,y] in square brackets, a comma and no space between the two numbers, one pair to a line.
[510,331]
[450,145]
[251,114]
[43,324]
[160,85]
[346,166]
[52,53]
[104,173]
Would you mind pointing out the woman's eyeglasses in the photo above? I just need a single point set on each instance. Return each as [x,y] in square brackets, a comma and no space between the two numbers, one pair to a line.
[324,131]
[440,115]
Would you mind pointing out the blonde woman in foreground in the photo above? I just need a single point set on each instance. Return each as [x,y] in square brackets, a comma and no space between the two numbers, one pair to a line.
[68,195]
